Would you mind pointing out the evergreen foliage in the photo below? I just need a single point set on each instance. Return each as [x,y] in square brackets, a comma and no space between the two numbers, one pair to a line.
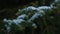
[33,20]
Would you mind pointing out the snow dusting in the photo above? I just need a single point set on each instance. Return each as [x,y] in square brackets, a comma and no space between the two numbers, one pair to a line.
[39,13]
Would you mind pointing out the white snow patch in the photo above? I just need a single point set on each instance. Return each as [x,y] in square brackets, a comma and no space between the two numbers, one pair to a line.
[18,21]
[8,21]
[22,16]
[29,8]
[44,7]
[34,25]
